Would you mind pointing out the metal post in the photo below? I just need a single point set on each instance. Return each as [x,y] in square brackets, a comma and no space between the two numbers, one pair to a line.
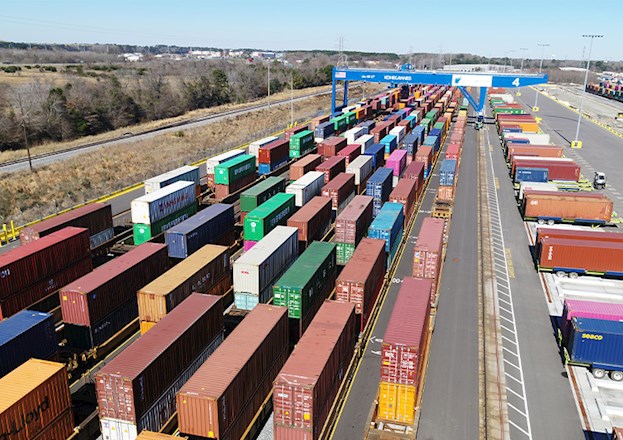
[535,108]
[576,143]
[333,97]
[291,98]
[268,84]
[522,59]
[345,93]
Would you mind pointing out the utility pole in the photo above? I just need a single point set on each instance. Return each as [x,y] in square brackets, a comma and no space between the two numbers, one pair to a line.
[535,107]
[268,83]
[27,145]
[576,143]
[291,98]
[522,58]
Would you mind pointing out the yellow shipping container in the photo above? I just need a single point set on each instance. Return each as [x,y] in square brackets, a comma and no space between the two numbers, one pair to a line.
[149,435]
[417,94]
[396,403]
[146,325]
[462,112]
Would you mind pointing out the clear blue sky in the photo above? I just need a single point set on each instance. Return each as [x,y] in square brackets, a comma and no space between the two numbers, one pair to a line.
[485,27]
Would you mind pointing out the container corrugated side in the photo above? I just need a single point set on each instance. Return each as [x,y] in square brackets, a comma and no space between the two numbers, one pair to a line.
[186,173]
[427,253]
[361,167]
[312,220]
[306,187]
[258,194]
[159,204]
[263,219]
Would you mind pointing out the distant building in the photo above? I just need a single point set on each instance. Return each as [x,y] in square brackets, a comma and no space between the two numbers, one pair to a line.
[477,68]
[131,56]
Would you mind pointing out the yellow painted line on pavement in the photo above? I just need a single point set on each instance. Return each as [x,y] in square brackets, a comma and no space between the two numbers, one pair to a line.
[509,263]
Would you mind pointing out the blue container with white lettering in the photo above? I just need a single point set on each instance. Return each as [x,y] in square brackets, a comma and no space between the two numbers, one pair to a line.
[388,226]
[524,174]
[379,187]
[420,132]
[447,171]
[377,151]
[324,130]
[390,142]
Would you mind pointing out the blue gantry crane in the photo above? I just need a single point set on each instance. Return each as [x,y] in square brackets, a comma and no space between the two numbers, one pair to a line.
[462,80]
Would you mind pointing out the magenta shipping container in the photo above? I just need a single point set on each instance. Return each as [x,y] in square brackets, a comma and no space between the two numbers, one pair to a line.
[574,308]
[397,161]
[248,244]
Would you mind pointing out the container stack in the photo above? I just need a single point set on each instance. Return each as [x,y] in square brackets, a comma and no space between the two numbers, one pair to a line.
[428,253]
[263,219]
[301,143]
[379,186]
[273,155]
[259,193]
[212,162]
[351,225]
[389,226]
[233,175]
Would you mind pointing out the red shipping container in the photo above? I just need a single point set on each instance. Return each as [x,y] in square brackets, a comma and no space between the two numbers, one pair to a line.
[533,150]
[341,189]
[404,342]
[405,192]
[425,154]
[96,295]
[222,397]
[362,278]
[312,220]
[427,254]
[415,171]
[568,206]
[141,375]
[331,146]
[274,152]
[319,120]
[307,385]
[222,191]
[304,165]
[350,152]
[26,265]
[294,130]
[445,193]
[453,151]
[581,256]
[558,170]
[332,167]
[352,223]
[380,131]
[577,234]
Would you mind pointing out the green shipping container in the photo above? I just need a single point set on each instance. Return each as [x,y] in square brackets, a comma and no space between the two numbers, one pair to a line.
[351,118]
[312,274]
[233,170]
[344,252]
[426,124]
[274,212]
[258,194]
[440,125]
[510,111]
[301,143]
[143,232]
[339,123]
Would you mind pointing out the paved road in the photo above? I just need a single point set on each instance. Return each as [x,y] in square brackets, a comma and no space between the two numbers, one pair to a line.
[450,401]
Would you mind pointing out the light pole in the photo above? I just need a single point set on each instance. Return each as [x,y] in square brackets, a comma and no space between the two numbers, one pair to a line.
[522,58]
[576,143]
[268,83]
[535,108]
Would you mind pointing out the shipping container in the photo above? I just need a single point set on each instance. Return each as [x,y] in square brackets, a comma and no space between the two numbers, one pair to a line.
[313,220]
[332,167]
[144,232]
[301,143]
[303,166]
[361,167]
[263,219]
[377,152]
[340,123]
[37,391]
[389,226]
[223,396]
[306,188]
[201,272]
[223,191]
[353,134]
[415,171]
[187,173]
[596,343]
[576,234]
[27,334]
[448,172]
[274,154]
[584,257]
[91,298]
[139,385]
[323,130]
[340,190]
[573,308]
[532,150]
[531,175]
[425,155]
[308,383]
[290,132]
[96,217]
[428,252]
[537,186]
[558,168]
[254,147]
[150,208]
[232,170]
[390,143]
[399,132]
[258,194]
[212,162]
[213,225]
[366,141]
[350,152]
[257,270]
[571,207]
[362,278]
[380,131]
[397,161]
[331,146]
[351,225]
[379,186]
[405,193]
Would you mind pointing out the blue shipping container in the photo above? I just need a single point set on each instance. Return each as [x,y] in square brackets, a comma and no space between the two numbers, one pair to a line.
[412,120]
[596,342]
[420,132]
[410,143]
[377,151]
[267,168]
[25,335]
[324,130]
[523,174]
[368,124]
[433,141]
[388,225]
[206,227]
[435,132]
[512,130]
[390,142]
[447,172]
[379,187]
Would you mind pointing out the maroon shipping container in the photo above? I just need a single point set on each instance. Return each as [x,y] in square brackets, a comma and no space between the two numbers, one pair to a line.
[577,234]
[425,154]
[351,225]
[44,288]
[415,171]
[532,150]
[362,278]
[304,165]
[223,396]
[294,130]
[308,383]
[222,191]
[380,131]
[453,151]
[581,206]
[96,295]
[274,152]
[142,375]
[332,167]
[405,192]
[312,220]
[350,152]
[427,254]
[406,124]
[407,332]
[319,120]
[341,190]
[27,265]
[557,170]
[96,217]
[331,146]
[561,254]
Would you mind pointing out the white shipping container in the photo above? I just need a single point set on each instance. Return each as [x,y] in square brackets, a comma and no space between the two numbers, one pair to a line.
[395,181]
[306,188]
[256,271]
[155,206]
[506,97]
[361,167]
[365,141]
[187,173]
[537,186]
[353,134]
[113,429]
[399,132]
[214,161]
[255,146]
[545,159]
[350,108]
[533,138]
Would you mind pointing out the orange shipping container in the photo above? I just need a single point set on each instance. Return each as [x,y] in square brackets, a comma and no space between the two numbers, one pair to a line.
[396,403]
[583,207]
[445,193]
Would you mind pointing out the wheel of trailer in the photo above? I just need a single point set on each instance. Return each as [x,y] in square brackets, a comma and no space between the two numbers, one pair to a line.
[616,376]
[550,222]
[573,275]
[541,221]
[561,274]
[599,373]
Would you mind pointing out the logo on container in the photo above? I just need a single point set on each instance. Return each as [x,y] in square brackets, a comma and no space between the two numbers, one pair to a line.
[16,426]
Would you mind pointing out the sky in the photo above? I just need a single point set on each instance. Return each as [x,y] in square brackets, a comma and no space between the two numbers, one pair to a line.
[485,27]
